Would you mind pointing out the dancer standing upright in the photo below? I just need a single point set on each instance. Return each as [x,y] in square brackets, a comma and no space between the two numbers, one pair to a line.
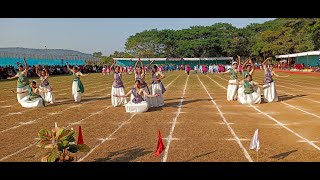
[77,86]
[233,81]
[117,90]
[157,87]
[23,81]
[44,84]
[269,88]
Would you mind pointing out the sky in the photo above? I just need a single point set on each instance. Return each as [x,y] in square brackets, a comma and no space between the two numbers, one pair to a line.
[90,35]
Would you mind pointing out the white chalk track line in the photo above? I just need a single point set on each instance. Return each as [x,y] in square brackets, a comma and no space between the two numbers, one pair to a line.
[117,129]
[292,106]
[17,152]
[25,148]
[279,123]
[245,152]
[107,138]
[174,120]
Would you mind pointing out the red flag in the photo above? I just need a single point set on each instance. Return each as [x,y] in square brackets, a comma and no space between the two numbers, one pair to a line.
[80,137]
[160,146]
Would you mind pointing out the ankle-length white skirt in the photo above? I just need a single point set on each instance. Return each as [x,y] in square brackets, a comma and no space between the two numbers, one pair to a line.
[47,96]
[118,101]
[21,96]
[232,91]
[253,98]
[156,101]
[270,92]
[76,95]
[26,103]
[136,108]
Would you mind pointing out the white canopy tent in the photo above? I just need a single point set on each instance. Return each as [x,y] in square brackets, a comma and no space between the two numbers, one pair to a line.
[309,53]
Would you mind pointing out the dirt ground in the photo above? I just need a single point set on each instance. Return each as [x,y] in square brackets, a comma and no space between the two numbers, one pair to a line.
[197,123]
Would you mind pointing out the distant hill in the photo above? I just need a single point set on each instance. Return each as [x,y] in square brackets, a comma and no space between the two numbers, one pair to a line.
[53,52]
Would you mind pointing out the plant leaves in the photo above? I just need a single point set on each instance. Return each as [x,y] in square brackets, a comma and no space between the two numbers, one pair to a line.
[53,155]
[45,134]
[83,148]
[73,148]
[49,146]
[59,133]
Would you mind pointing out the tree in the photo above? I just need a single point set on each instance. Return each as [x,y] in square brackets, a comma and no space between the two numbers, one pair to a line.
[97,54]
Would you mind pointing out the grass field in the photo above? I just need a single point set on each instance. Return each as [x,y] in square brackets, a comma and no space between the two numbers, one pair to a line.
[197,123]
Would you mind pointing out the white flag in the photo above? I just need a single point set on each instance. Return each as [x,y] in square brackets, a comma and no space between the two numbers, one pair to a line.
[255,141]
[56,125]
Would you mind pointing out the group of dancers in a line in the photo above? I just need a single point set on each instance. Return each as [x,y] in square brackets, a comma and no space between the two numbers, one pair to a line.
[247,91]
[30,95]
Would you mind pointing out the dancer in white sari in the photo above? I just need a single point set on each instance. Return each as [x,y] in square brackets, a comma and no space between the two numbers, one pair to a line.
[117,90]
[269,88]
[23,81]
[157,87]
[233,81]
[44,85]
[137,103]
[250,93]
[77,86]
[33,99]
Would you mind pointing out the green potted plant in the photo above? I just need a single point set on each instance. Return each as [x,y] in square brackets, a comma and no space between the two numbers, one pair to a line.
[58,145]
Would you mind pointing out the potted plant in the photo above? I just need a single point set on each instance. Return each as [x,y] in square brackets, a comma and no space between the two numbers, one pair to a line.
[58,145]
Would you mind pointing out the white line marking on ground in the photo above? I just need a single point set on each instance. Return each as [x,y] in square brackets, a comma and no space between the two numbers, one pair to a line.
[305,141]
[282,125]
[171,139]
[6,106]
[174,120]
[301,110]
[245,152]
[105,139]
[59,112]
[17,152]
[239,139]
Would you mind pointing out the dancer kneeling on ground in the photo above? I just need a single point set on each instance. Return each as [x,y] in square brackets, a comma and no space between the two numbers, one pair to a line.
[269,87]
[137,103]
[33,99]
[251,92]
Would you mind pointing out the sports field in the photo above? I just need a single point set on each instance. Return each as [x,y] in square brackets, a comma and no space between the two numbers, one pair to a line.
[197,123]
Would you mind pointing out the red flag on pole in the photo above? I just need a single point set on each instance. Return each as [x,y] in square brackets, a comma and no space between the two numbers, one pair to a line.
[80,137]
[160,146]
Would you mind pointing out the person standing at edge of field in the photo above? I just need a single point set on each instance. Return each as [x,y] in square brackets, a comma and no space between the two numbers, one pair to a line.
[157,87]
[188,69]
[269,88]
[23,81]
[233,81]
[117,90]
[77,86]
[44,84]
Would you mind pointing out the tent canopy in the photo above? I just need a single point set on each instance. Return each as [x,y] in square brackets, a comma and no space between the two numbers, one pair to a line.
[309,53]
